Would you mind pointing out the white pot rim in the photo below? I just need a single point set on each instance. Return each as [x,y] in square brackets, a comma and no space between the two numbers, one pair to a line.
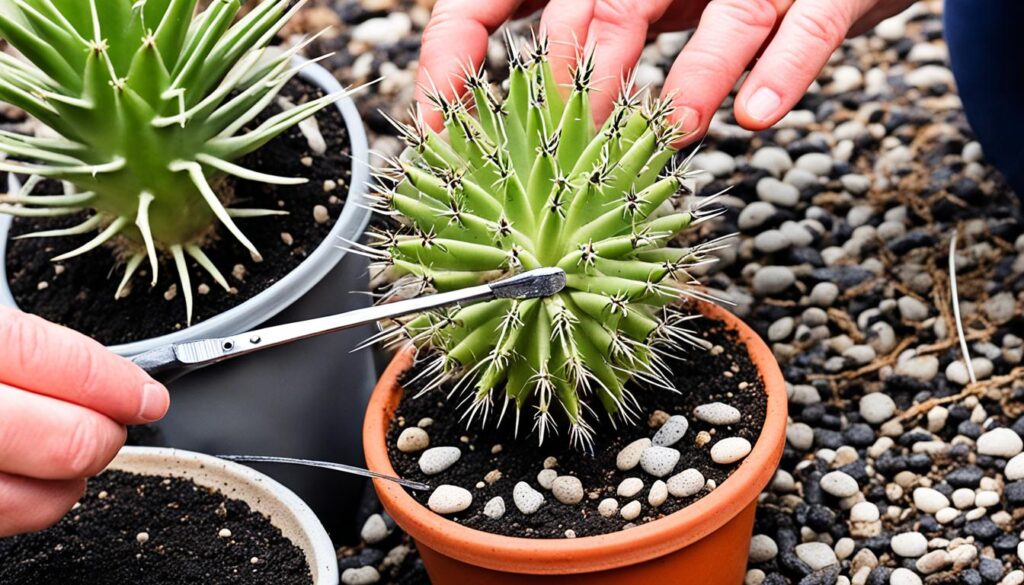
[355,215]
[280,505]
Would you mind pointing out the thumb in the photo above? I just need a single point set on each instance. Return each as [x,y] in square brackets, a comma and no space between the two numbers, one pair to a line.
[54,361]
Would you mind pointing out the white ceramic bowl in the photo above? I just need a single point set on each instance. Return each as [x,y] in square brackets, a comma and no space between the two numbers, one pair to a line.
[271,301]
[264,495]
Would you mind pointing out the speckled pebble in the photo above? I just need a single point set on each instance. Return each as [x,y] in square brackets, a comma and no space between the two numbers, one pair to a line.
[717,413]
[413,439]
[659,461]
[437,459]
[671,432]
[527,499]
[730,450]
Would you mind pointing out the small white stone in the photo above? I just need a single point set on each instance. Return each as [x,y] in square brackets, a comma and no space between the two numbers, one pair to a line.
[495,508]
[923,367]
[839,484]
[864,512]
[762,548]
[413,439]
[567,489]
[773,159]
[730,450]
[800,436]
[658,494]
[946,515]
[374,529]
[629,456]
[360,576]
[963,498]
[686,483]
[986,499]
[717,413]
[754,214]
[142,537]
[1014,469]
[671,432]
[876,408]
[449,499]
[608,507]
[929,501]
[776,192]
[630,487]
[817,555]
[909,544]
[438,459]
[659,461]
[903,576]
[546,478]
[527,499]
[630,511]
[224,533]
[1001,442]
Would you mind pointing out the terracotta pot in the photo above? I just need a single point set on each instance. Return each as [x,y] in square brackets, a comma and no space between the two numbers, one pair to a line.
[705,543]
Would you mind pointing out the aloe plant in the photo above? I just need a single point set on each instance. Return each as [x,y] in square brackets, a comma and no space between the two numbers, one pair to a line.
[531,182]
[146,100]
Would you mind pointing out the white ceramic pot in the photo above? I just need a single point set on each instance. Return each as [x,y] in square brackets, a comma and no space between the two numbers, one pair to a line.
[350,225]
[264,495]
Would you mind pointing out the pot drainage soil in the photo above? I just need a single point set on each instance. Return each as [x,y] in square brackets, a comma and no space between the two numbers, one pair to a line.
[79,293]
[493,461]
[146,529]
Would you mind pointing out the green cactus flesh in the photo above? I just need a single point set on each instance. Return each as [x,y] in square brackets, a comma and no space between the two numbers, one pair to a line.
[531,182]
[146,99]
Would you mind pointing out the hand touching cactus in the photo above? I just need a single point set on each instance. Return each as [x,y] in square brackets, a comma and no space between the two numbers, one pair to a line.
[147,103]
[530,182]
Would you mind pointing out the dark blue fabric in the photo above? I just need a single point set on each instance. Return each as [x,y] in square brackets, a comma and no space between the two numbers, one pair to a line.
[986,45]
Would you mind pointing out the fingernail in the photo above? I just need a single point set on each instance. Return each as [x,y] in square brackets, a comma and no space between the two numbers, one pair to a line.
[763,104]
[689,120]
[155,401]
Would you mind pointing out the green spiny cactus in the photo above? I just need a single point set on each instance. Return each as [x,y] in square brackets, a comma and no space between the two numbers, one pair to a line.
[531,182]
[146,98]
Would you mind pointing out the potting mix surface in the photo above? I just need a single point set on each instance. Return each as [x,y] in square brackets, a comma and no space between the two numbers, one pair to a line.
[138,529]
[79,292]
[493,460]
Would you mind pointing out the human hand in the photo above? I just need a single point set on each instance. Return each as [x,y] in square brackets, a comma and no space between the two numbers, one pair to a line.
[64,404]
[794,39]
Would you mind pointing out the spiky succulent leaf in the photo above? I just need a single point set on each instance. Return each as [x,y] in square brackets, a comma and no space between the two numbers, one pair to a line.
[530,182]
[147,98]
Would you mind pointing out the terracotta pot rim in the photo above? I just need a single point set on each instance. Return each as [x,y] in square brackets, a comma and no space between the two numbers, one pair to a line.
[590,553]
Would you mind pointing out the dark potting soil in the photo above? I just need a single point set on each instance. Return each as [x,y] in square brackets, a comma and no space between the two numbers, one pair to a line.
[723,374]
[79,292]
[99,543]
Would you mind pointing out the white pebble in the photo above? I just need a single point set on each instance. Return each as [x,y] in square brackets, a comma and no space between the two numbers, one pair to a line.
[629,456]
[449,499]
[877,407]
[374,529]
[929,501]
[659,461]
[658,494]
[686,483]
[567,489]
[730,450]
[360,576]
[762,548]
[527,499]
[495,508]
[839,484]
[630,487]
[1014,469]
[437,459]
[1001,442]
[608,507]
[671,432]
[817,555]
[717,413]
[413,439]
[903,576]
[909,544]
[546,477]
[864,512]
[630,511]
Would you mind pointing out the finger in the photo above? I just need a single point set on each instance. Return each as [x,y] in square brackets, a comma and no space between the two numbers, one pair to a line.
[729,35]
[616,36]
[55,361]
[808,35]
[566,22]
[46,438]
[456,35]
[28,505]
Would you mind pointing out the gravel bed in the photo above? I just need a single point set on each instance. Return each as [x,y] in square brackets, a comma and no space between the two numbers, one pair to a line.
[898,470]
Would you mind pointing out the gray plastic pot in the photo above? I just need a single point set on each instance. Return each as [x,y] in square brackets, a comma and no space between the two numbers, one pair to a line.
[302,400]
[280,505]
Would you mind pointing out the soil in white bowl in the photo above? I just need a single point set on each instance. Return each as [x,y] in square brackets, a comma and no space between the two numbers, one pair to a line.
[143,529]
